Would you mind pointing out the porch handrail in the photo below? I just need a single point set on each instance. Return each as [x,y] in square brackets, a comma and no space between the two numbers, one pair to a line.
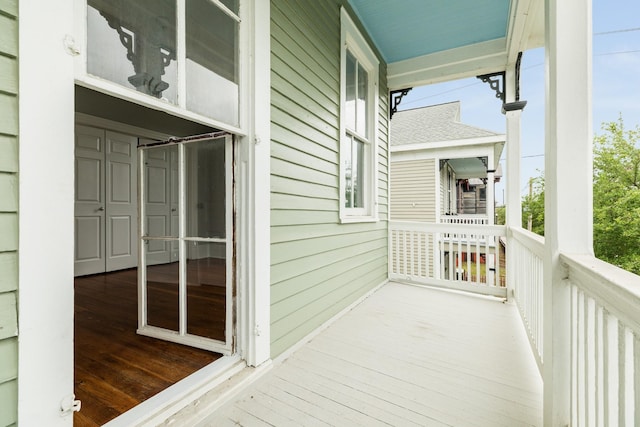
[526,259]
[605,342]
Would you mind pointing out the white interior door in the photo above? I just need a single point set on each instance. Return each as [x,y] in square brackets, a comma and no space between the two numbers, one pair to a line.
[89,201]
[160,204]
[121,196]
[105,201]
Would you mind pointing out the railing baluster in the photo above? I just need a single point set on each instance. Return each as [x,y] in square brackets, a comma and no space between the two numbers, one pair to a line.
[636,378]
[574,316]
[468,256]
[590,369]
[621,373]
[606,369]
[412,254]
[581,353]
[599,395]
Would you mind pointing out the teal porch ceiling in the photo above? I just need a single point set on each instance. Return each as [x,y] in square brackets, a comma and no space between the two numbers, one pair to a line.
[405,29]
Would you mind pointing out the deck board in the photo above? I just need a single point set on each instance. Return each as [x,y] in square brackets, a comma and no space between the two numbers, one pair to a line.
[406,356]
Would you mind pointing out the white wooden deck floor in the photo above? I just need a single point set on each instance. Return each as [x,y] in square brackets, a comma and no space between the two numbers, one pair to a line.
[406,356]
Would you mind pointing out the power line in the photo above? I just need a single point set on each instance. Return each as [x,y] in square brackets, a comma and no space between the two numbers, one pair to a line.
[616,53]
[626,30]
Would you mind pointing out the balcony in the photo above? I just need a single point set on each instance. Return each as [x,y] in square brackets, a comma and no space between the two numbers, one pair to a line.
[418,352]
[406,356]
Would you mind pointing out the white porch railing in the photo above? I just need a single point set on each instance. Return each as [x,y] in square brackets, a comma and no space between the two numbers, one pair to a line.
[603,307]
[605,343]
[464,219]
[459,256]
[526,251]
[604,323]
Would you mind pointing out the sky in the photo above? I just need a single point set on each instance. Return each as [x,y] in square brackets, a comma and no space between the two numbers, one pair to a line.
[615,87]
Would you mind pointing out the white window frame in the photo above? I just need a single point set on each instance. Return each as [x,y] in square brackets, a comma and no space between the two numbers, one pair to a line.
[78,46]
[354,42]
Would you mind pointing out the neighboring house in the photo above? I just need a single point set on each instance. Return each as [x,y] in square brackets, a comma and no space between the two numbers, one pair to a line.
[272,167]
[442,170]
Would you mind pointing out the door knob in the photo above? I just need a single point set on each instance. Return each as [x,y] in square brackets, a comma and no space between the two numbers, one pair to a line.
[101,208]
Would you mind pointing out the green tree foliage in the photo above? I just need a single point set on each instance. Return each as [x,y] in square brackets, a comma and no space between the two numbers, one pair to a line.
[616,196]
[533,206]
[501,212]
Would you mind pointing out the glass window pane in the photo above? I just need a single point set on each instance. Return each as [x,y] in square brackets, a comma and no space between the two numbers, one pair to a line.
[161,191]
[206,289]
[346,154]
[163,310]
[350,85]
[206,188]
[231,4]
[361,104]
[358,174]
[134,44]
[212,62]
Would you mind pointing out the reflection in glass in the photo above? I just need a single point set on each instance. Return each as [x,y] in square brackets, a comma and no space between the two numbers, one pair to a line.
[206,289]
[350,84]
[352,153]
[163,309]
[134,44]
[361,109]
[231,4]
[206,183]
[161,192]
[346,155]
[358,174]
[212,61]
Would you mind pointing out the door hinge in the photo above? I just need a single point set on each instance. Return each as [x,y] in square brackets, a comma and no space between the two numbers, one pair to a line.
[69,405]
[257,331]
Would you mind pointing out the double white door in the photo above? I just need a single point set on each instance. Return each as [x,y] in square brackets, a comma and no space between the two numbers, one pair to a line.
[106,212]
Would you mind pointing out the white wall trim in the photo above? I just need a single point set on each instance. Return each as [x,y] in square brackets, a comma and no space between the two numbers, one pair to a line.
[254,175]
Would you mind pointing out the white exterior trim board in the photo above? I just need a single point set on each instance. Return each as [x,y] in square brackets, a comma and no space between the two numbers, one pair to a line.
[467,61]
[439,145]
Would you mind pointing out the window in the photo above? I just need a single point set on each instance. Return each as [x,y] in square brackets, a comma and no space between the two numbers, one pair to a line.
[184,53]
[358,118]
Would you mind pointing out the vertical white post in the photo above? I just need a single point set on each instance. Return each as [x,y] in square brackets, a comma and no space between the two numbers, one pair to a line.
[46,226]
[490,195]
[568,190]
[254,175]
[513,216]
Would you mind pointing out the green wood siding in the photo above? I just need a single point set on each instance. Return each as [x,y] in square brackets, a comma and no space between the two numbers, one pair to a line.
[318,265]
[8,212]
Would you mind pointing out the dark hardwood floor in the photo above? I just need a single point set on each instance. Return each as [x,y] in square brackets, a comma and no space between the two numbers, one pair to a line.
[115,368]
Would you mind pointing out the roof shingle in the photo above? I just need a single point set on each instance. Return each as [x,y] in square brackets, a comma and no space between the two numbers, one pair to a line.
[434,123]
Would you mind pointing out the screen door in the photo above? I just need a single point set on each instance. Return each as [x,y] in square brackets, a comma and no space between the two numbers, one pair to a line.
[185,274]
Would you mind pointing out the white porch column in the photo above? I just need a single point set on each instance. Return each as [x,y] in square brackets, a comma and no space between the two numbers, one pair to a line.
[568,186]
[513,215]
[46,114]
